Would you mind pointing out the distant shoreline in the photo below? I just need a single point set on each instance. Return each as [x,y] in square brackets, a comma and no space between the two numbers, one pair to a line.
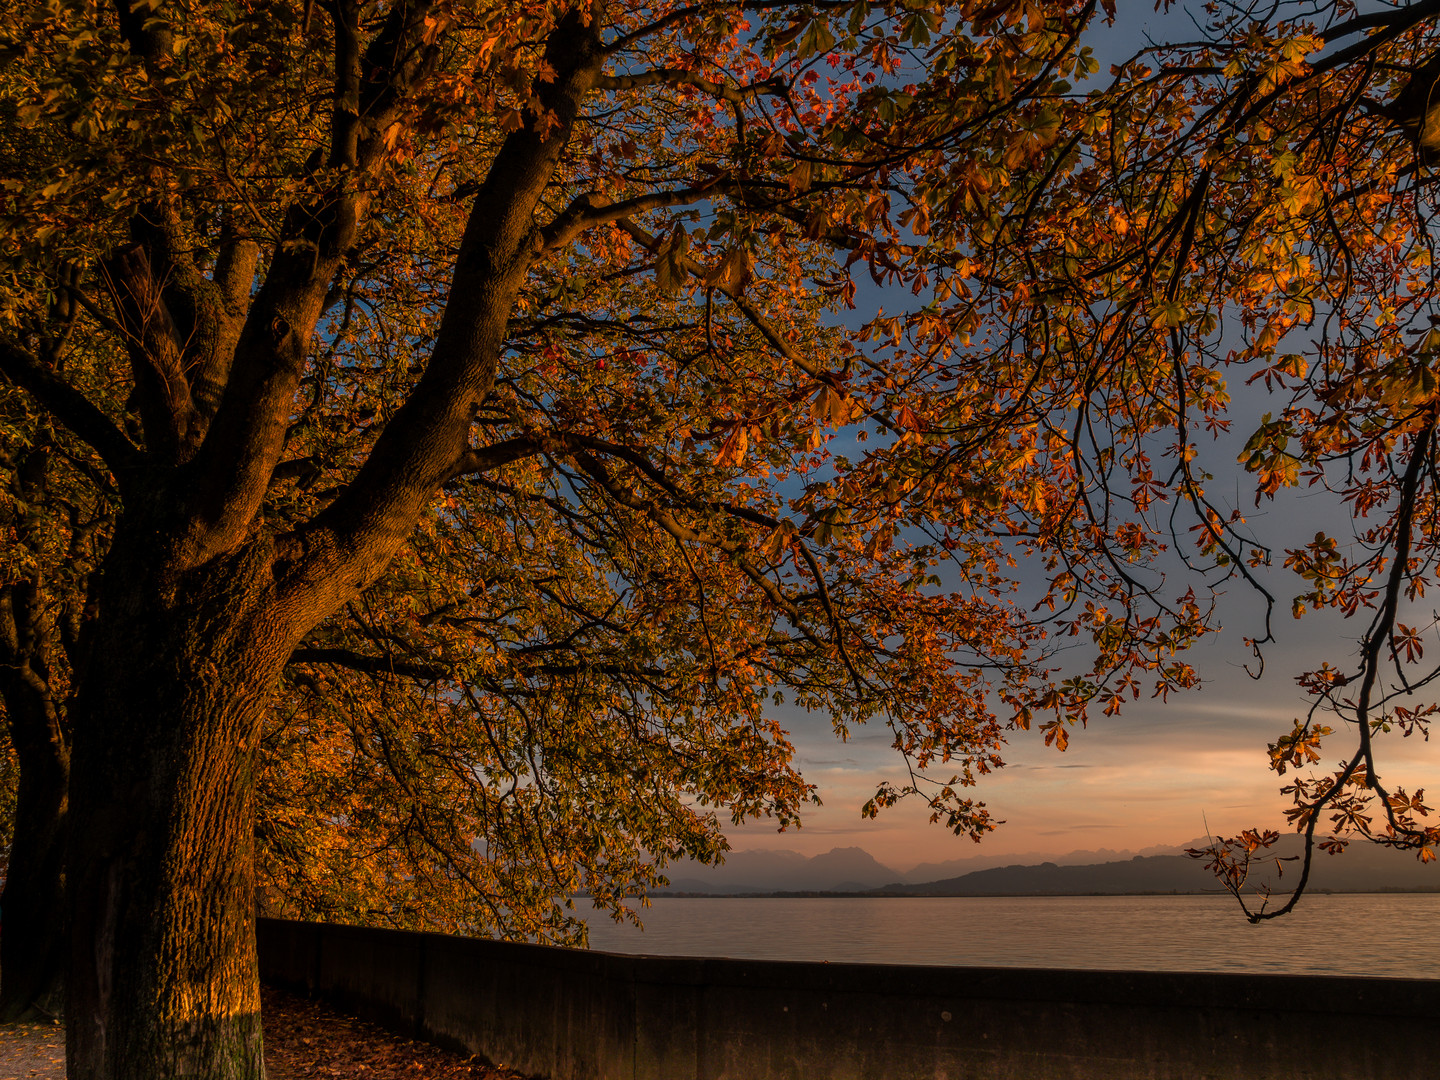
[853,872]
[882,894]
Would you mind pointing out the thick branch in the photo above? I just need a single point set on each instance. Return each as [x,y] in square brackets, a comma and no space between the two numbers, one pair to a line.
[396,61]
[235,268]
[592,209]
[345,115]
[372,665]
[483,459]
[155,350]
[1395,20]
[351,542]
[71,408]
[232,469]
[145,29]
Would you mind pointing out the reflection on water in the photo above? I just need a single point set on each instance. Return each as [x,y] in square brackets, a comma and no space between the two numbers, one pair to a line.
[1377,934]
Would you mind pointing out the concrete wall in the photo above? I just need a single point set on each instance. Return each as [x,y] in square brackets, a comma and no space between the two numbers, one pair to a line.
[573,1015]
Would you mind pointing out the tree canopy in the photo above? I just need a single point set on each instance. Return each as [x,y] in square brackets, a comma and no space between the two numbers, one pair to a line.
[434,433]
[470,366]
[1262,203]
[648,522]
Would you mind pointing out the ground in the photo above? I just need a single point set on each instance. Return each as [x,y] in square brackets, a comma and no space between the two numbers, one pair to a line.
[32,1052]
[303,1041]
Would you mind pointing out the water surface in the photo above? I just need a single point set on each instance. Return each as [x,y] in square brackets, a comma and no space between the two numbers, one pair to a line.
[1394,934]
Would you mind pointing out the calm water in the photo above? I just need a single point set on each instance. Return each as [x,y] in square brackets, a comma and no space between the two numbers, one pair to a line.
[1389,934]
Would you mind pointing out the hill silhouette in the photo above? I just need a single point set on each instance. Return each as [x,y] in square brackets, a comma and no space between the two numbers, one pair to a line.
[1362,868]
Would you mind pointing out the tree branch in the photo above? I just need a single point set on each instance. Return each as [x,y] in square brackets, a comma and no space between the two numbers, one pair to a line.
[682,532]
[592,209]
[1395,21]
[351,541]
[483,459]
[235,267]
[71,408]
[372,665]
[231,471]
[145,28]
[345,113]
[156,354]
[676,77]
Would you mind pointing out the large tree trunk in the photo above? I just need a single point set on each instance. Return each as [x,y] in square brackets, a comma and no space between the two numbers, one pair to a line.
[163,978]
[32,931]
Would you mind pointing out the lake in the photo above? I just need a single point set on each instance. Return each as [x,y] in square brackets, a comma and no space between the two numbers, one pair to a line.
[1394,934]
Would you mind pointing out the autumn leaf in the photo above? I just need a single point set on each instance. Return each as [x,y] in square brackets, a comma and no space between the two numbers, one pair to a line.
[732,450]
[671,260]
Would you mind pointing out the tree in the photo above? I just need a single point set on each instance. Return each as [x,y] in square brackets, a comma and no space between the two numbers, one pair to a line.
[1256,204]
[1347,111]
[545,283]
[33,874]
[56,526]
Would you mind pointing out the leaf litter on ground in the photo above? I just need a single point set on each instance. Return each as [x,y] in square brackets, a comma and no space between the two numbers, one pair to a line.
[304,1040]
[307,1040]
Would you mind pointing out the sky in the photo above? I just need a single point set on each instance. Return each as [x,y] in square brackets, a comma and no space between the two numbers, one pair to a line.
[1160,774]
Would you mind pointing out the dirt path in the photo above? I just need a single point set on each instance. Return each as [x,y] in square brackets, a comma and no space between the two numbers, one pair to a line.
[303,1041]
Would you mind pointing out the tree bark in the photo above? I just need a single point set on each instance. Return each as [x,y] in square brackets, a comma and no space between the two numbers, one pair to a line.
[163,975]
[32,931]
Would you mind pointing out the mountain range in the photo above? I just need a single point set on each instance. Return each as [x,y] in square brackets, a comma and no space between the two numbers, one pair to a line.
[1159,869]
